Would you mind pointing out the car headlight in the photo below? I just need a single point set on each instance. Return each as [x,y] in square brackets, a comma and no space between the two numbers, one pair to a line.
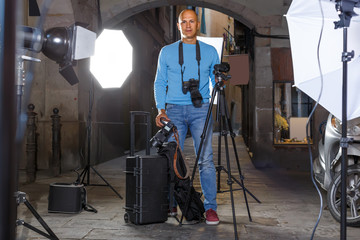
[353,126]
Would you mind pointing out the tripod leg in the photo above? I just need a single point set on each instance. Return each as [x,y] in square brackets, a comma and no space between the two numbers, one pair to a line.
[243,187]
[219,158]
[236,156]
[107,183]
[230,182]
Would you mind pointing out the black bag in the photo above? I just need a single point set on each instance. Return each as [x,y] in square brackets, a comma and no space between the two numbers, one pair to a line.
[180,185]
[68,198]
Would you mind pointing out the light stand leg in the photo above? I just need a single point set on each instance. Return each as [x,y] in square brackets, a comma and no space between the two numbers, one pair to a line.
[86,172]
[21,198]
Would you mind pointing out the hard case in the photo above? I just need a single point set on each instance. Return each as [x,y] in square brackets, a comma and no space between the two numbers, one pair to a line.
[146,189]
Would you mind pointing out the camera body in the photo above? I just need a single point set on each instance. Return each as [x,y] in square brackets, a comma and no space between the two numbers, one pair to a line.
[222,67]
[221,70]
[160,137]
[192,86]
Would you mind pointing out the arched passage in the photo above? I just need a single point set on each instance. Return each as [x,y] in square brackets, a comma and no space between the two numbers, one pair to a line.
[121,10]
[256,14]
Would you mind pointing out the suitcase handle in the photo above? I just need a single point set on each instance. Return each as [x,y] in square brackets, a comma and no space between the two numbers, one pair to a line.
[132,130]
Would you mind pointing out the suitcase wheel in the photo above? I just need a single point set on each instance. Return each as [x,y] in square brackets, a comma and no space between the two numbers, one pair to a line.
[126,217]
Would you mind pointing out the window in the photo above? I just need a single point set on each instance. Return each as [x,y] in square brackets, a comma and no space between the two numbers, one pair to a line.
[291,106]
[291,110]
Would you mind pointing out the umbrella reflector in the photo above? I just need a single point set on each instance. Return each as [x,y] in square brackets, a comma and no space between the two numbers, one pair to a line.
[305,22]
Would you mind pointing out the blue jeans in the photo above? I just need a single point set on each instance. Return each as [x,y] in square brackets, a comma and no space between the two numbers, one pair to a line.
[187,116]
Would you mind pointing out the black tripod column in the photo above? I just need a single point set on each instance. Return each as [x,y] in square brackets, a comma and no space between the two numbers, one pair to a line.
[31,144]
[56,143]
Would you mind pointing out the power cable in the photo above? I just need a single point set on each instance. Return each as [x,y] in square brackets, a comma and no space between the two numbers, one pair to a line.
[308,123]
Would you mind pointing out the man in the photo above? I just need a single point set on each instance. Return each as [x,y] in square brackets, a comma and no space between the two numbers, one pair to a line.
[179,62]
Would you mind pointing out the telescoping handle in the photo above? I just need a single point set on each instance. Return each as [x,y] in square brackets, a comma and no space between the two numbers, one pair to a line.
[132,130]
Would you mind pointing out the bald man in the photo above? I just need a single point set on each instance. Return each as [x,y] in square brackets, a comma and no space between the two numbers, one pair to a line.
[177,64]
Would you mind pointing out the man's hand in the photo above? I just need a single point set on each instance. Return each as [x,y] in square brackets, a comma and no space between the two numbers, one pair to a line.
[161,114]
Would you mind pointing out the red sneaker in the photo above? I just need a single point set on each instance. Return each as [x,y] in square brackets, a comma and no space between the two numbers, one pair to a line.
[212,217]
[172,212]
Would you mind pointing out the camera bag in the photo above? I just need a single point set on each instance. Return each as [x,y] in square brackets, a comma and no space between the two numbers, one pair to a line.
[180,183]
[66,198]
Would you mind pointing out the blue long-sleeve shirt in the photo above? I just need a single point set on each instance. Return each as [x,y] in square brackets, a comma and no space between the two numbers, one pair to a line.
[168,85]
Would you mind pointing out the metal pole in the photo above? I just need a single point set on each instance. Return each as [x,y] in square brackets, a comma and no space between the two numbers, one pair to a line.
[7,119]
[344,142]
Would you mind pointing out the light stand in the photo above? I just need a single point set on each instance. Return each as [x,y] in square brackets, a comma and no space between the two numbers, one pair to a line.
[86,172]
[345,9]
[225,127]
[20,197]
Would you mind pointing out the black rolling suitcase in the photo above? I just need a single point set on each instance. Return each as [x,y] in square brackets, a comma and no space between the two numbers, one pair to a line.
[146,189]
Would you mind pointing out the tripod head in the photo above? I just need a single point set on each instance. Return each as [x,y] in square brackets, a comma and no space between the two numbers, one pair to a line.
[221,72]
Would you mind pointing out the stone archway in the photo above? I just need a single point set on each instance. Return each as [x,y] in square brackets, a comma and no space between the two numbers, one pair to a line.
[255,14]
[115,12]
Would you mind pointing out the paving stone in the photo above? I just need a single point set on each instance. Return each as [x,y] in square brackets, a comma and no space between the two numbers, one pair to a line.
[288,210]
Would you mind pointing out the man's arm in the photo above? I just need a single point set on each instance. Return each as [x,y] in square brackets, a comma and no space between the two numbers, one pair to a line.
[213,63]
[160,85]
[161,114]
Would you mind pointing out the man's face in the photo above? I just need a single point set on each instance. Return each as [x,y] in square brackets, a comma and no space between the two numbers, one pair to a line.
[188,24]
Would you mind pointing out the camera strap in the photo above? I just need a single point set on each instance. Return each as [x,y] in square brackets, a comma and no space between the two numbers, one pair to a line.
[181,58]
[178,158]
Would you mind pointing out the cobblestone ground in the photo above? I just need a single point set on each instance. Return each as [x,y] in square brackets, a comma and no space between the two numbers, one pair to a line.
[288,210]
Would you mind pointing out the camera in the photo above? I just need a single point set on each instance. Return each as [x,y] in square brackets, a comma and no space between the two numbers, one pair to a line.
[222,67]
[192,86]
[221,70]
[160,137]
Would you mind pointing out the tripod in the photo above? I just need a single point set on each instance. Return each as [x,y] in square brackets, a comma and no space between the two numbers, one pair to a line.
[223,118]
[20,197]
[225,127]
[86,171]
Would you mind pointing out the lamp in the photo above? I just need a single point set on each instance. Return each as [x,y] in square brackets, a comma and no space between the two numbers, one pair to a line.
[63,45]
[112,61]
